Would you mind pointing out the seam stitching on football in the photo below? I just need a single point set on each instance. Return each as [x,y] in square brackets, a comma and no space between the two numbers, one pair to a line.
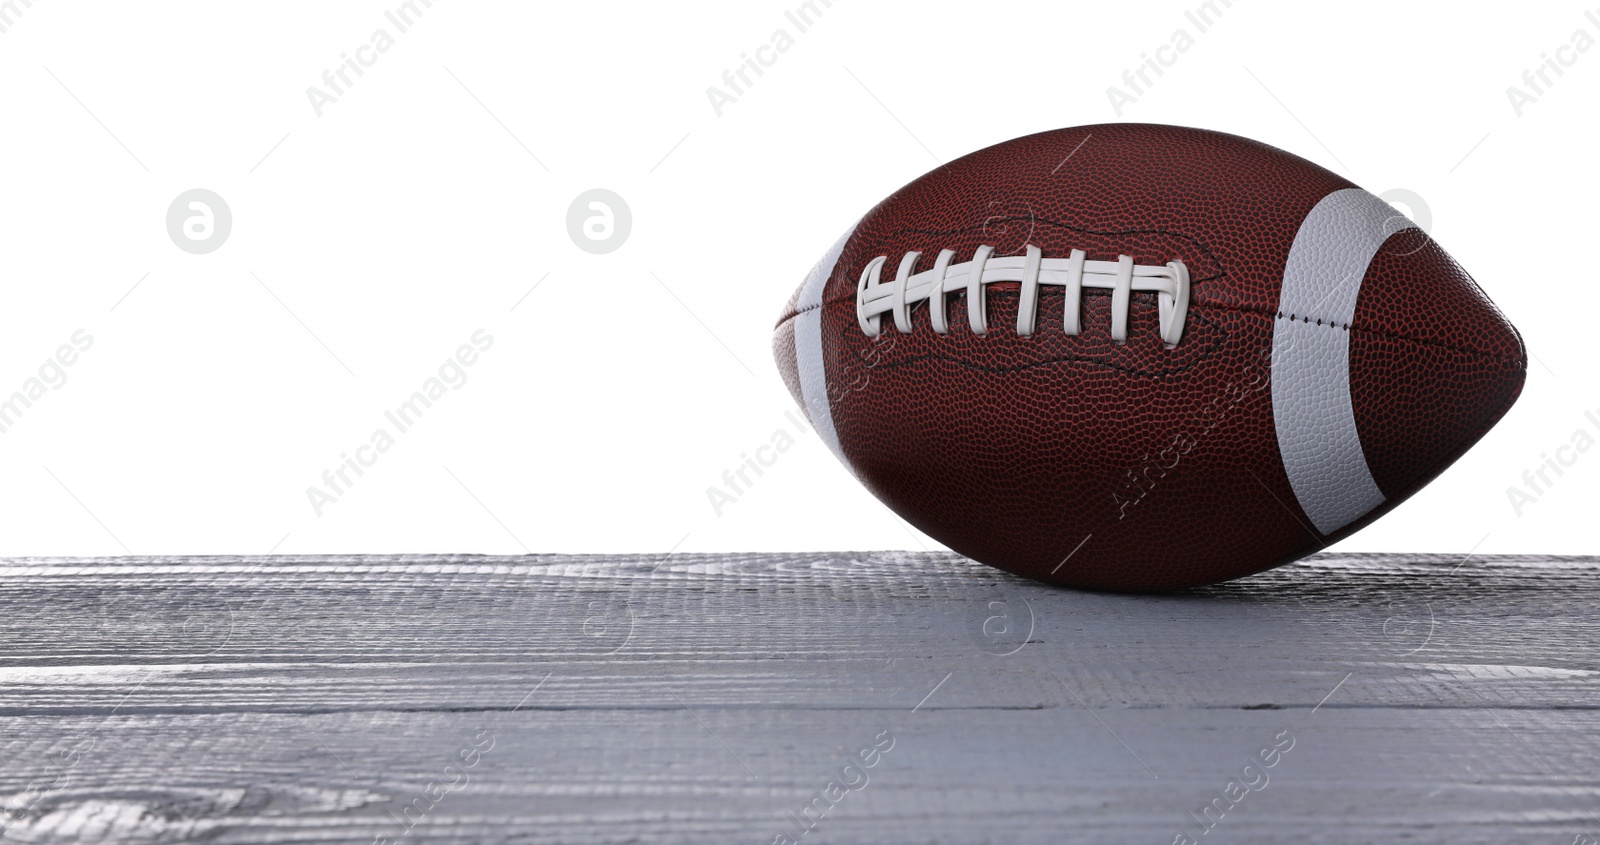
[1197,307]
[797,312]
[1346,327]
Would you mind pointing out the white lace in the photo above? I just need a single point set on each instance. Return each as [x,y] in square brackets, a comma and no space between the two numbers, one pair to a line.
[1122,277]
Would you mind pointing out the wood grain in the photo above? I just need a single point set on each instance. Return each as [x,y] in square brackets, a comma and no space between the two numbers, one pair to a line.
[704,699]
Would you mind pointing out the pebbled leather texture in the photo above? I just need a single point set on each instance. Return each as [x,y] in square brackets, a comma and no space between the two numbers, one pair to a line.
[1434,364]
[1132,466]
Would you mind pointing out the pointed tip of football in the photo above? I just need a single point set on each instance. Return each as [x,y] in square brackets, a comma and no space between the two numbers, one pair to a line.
[1434,364]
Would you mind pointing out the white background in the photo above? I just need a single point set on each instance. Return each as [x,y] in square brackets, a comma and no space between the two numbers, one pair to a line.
[430,198]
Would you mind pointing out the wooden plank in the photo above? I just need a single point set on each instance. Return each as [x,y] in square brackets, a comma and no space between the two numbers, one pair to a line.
[723,698]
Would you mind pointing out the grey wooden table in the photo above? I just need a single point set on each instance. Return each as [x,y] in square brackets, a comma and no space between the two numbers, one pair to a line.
[882,697]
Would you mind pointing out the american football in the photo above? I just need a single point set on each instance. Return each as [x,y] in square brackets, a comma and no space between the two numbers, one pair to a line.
[1137,357]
